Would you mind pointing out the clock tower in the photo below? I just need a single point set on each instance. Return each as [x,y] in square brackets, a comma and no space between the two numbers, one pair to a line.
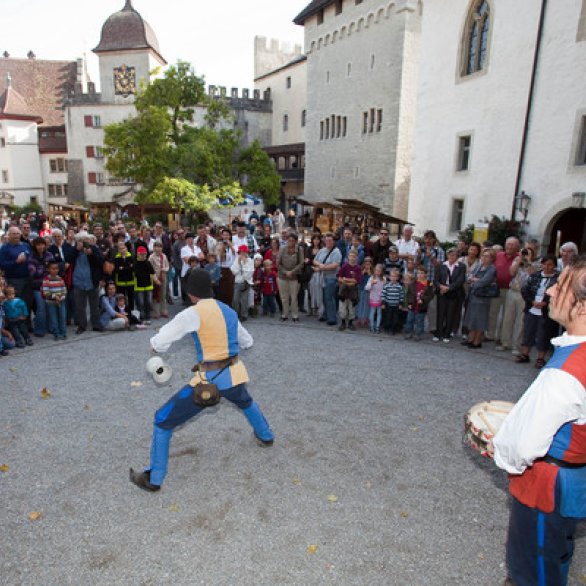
[128,51]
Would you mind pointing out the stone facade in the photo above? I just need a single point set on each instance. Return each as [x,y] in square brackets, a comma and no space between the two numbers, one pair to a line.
[362,62]
[490,106]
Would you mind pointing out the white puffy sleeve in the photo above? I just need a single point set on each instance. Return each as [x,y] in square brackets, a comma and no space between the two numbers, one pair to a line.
[244,338]
[183,323]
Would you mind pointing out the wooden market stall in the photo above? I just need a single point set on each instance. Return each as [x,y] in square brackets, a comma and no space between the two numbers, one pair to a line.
[75,213]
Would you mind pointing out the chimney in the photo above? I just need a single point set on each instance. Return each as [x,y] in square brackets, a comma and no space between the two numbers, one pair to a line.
[8,79]
[6,54]
[31,55]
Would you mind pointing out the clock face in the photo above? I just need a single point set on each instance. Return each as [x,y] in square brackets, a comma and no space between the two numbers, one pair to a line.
[124,81]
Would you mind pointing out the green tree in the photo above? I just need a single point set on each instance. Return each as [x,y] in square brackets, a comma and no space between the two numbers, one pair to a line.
[179,162]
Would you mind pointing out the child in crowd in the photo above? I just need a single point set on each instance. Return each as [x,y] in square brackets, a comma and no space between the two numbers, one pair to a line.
[403,311]
[362,310]
[124,272]
[6,338]
[54,292]
[160,264]
[257,276]
[144,274]
[269,289]
[124,312]
[16,316]
[392,299]
[242,269]
[349,275]
[375,288]
[419,293]
[215,271]
[358,247]
[409,267]
[394,262]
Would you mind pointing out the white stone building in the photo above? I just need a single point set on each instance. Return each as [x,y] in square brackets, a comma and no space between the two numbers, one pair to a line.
[362,67]
[501,110]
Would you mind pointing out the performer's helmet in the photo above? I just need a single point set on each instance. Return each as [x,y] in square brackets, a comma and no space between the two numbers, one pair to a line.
[199,284]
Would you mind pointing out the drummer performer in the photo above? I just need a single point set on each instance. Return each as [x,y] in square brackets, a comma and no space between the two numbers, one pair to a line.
[219,337]
[542,444]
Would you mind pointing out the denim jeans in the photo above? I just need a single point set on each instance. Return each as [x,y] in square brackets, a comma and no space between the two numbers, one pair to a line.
[376,314]
[19,330]
[415,321]
[57,314]
[144,301]
[269,305]
[5,343]
[40,314]
[330,305]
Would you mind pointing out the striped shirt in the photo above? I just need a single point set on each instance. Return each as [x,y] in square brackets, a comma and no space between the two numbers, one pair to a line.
[53,288]
[392,294]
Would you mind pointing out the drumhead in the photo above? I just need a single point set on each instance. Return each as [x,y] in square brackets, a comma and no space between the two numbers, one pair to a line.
[484,419]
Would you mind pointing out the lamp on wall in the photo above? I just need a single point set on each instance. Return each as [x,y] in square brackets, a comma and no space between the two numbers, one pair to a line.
[522,201]
[578,198]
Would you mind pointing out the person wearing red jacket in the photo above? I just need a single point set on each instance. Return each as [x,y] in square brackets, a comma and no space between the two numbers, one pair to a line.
[269,289]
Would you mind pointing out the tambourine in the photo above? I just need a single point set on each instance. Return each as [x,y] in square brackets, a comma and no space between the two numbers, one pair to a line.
[482,422]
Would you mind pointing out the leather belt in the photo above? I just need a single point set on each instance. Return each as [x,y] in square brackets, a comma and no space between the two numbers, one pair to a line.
[215,364]
[561,463]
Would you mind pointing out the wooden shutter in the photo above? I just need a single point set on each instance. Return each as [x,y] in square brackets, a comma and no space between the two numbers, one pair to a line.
[91,177]
[88,121]
[89,151]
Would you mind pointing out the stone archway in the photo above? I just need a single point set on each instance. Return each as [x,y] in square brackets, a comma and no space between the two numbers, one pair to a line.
[570,226]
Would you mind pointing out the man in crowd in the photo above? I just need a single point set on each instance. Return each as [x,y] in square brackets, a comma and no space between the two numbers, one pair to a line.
[408,248]
[542,445]
[242,238]
[327,261]
[104,245]
[14,255]
[567,251]
[380,249]
[345,243]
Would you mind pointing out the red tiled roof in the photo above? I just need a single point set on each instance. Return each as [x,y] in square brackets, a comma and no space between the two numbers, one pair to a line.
[12,105]
[41,84]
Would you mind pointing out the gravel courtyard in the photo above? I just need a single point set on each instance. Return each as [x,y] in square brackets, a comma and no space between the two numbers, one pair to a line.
[368,481]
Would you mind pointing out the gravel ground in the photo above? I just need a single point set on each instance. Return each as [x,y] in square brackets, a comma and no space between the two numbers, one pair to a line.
[368,481]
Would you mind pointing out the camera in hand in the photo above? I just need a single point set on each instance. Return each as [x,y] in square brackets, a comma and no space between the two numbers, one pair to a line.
[524,252]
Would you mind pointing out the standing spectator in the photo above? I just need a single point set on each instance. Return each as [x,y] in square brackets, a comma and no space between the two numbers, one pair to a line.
[243,268]
[87,274]
[315,286]
[257,279]
[304,276]
[37,267]
[292,220]
[144,274]
[242,238]
[449,284]
[514,307]
[567,251]
[160,264]
[349,276]
[265,240]
[14,255]
[161,236]
[327,262]
[205,243]
[502,264]
[45,230]
[213,268]
[345,243]
[392,301]
[419,295]
[408,248]
[393,261]
[104,244]
[375,290]
[362,309]
[124,273]
[289,264]
[278,221]
[188,251]
[55,293]
[471,262]
[431,257]
[226,256]
[178,244]
[476,317]
[26,235]
[538,327]
[269,289]
[380,249]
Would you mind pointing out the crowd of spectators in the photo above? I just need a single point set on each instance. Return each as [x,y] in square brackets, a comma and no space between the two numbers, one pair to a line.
[125,275]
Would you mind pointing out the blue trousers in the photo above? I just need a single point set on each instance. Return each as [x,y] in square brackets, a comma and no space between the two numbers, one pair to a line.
[5,343]
[415,321]
[539,546]
[40,314]
[180,408]
[330,302]
[57,319]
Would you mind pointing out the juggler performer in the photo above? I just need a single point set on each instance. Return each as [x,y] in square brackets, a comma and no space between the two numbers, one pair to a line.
[542,444]
[218,337]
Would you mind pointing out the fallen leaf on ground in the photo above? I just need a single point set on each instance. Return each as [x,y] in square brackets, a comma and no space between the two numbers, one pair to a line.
[414,428]
[45,393]
[136,383]
[35,515]
[4,468]
[87,407]
[311,548]
[480,556]
[367,484]
[583,578]
[296,481]
[332,498]
[174,508]
[404,514]
[13,369]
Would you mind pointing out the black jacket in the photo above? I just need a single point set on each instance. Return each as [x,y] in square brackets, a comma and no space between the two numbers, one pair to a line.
[454,281]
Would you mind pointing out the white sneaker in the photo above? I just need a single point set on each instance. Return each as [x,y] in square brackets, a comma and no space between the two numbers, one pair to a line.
[446,340]
[435,339]
[516,353]
[500,348]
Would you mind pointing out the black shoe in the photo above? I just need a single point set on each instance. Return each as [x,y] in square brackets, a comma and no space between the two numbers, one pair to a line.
[98,329]
[143,480]
[295,320]
[351,326]
[80,330]
[332,323]
[282,319]
[322,319]
[3,352]
[29,342]
[20,345]
[342,326]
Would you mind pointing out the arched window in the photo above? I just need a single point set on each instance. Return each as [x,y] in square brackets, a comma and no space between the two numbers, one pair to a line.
[476,37]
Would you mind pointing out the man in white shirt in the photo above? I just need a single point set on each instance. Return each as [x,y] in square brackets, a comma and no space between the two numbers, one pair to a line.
[408,248]
[244,238]
[542,445]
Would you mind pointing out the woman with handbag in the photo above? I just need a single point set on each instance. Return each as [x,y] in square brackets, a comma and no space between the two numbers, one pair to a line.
[482,288]
[316,291]
[289,264]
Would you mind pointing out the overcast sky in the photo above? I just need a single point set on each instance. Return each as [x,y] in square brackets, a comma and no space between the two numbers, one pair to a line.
[217,37]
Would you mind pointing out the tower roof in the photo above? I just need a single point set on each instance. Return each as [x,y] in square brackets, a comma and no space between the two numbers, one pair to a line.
[312,8]
[12,105]
[126,30]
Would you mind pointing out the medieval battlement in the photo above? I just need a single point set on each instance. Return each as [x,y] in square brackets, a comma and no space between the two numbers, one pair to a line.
[270,54]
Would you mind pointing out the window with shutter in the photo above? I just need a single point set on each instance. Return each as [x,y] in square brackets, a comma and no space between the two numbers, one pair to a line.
[88,120]
[89,151]
[91,177]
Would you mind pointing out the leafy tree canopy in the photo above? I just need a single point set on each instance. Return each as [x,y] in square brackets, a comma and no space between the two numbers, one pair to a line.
[182,149]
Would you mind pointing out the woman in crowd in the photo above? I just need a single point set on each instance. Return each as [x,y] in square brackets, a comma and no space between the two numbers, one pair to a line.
[110,319]
[226,256]
[471,261]
[289,264]
[37,267]
[482,279]
[539,329]
[316,297]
